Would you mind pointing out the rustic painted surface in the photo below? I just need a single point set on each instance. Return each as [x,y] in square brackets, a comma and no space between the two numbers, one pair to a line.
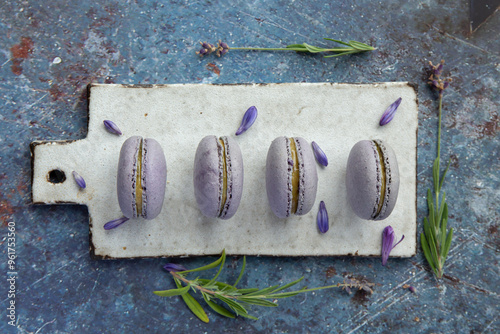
[50,51]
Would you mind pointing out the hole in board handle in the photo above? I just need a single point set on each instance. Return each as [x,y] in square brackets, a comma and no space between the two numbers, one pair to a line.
[56,176]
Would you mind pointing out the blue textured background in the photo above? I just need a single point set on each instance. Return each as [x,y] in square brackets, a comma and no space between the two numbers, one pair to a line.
[61,290]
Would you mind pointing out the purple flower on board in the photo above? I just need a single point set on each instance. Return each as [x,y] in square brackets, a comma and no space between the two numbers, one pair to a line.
[79,180]
[322,218]
[388,243]
[174,267]
[319,154]
[112,127]
[115,223]
[247,121]
[390,112]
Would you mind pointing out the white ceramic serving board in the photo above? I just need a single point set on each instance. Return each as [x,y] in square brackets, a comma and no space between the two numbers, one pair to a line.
[336,116]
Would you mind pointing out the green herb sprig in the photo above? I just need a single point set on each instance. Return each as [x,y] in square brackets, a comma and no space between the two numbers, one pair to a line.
[436,238]
[230,301]
[348,48]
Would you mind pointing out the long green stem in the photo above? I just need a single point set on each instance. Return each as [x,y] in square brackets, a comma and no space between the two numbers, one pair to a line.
[437,218]
[288,49]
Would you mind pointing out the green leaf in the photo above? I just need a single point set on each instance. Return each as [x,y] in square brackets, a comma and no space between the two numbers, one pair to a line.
[429,202]
[435,174]
[444,174]
[337,41]
[263,292]
[193,305]
[249,290]
[444,222]
[242,271]
[223,260]
[361,46]
[173,292]
[248,316]
[208,266]
[297,47]
[257,301]
[427,253]
[285,294]
[313,49]
[218,308]
[447,245]
[342,54]
[286,286]
[219,285]
[234,305]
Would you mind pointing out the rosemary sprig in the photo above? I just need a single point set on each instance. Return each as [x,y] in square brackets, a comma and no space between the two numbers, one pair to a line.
[230,301]
[436,238]
[348,48]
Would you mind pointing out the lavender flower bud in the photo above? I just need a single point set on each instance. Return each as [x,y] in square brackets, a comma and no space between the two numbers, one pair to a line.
[111,127]
[115,223]
[319,154]
[174,267]
[206,45]
[388,243]
[79,180]
[322,218]
[248,119]
[390,112]
[438,70]
[446,84]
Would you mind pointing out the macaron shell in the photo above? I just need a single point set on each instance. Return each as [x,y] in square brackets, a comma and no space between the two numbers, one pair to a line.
[392,180]
[126,177]
[308,176]
[278,177]
[364,180]
[154,178]
[235,171]
[207,176]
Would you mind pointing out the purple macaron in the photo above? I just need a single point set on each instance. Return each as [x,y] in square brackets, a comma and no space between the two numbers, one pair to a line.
[291,177]
[218,176]
[142,177]
[372,179]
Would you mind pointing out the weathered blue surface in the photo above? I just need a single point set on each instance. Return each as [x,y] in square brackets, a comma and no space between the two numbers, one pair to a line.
[51,50]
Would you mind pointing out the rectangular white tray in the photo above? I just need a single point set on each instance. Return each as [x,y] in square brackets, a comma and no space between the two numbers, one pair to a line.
[336,116]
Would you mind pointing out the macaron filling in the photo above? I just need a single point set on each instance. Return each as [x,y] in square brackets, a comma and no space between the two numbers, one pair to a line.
[224,176]
[138,188]
[382,178]
[295,176]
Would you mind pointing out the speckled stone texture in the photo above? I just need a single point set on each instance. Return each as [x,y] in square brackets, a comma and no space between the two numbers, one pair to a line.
[52,50]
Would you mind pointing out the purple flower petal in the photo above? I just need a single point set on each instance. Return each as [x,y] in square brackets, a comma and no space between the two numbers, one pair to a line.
[248,119]
[174,267]
[389,112]
[388,243]
[115,223]
[111,127]
[412,289]
[79,180]
[322,218]
[319,154]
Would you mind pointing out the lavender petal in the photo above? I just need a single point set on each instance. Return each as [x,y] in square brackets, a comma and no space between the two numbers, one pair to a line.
[322,218]
[79,180]
[174,267]
[390,112]
[112,127]
[115,223]
[387,242]
[412,289]
[319,154]
[248,119]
